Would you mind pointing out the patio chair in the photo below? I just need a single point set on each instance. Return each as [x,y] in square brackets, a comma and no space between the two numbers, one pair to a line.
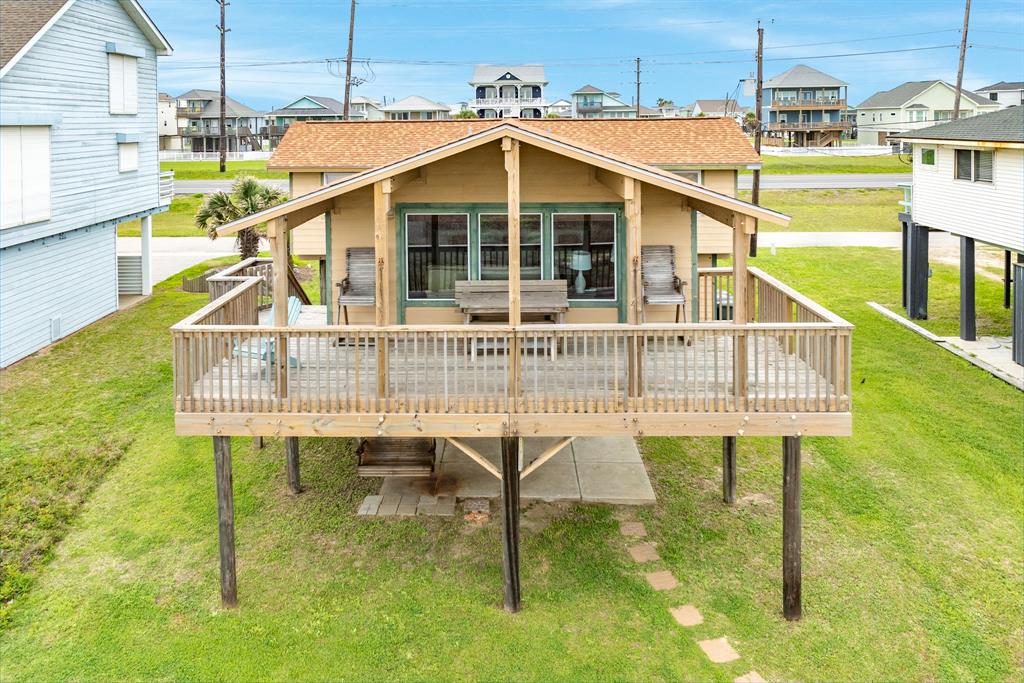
[660,284]
[359,288]
[265,351]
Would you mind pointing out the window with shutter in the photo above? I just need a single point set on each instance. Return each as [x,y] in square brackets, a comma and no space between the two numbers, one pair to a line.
[124,87]
[963,164]
[127,156]
[24,174]
[983,166]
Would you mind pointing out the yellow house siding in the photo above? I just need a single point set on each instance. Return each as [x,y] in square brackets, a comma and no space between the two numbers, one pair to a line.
[308,239]
[714,237]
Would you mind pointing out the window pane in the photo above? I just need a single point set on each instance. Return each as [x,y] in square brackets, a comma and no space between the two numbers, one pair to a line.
[983,167]
[494,246]
[928,157]
[438,254]
[963,164]
[584,245]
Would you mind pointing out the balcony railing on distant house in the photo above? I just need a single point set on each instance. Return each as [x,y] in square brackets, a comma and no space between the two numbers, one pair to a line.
[813,103]
[189,111]
[588,106]
[275,131]
[508,102]
[816,125]
[166,187]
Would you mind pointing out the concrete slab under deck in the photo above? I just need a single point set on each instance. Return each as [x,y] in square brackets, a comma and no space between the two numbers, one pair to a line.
[589,470]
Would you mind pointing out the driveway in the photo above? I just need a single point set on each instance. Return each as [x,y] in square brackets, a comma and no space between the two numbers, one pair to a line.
[818,181]
[171,255]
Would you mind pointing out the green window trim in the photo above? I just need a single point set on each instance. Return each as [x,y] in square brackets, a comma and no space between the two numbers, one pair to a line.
[547,211]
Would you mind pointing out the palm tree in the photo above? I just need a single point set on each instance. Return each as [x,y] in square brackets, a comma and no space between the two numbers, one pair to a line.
[247,196]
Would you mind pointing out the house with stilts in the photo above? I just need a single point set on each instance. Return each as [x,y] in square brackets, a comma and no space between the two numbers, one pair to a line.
[968,181]
[521,281]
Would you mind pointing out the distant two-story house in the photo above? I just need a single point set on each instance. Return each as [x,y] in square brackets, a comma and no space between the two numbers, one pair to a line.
[199,123]
[416,108]
[805,107]
[167,119]
[590,102]
[78,156]
[509,91]
[318,108]
[968,181]
[913,105]
[1006,93]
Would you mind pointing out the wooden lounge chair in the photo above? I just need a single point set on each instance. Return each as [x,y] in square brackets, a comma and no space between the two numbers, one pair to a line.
[265,351]
[661,286]
[359,288]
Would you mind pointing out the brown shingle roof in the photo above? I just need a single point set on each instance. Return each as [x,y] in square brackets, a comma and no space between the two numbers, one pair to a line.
[20,21]
[656,142]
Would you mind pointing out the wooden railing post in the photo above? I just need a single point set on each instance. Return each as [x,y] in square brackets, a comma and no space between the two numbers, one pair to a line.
[279,249]
[740,312]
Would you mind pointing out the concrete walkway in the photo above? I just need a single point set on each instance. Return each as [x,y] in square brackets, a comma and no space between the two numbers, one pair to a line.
[589,470]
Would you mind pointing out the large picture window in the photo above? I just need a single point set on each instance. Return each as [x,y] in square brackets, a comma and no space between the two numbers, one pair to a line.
[437,254]
[494,246]
[584,253]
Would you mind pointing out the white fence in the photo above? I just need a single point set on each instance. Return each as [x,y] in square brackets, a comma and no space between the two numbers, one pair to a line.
[847,151]
[173,155]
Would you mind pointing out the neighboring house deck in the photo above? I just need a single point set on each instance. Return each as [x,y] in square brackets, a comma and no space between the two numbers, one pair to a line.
[78,149]
[752,357]
[805,107]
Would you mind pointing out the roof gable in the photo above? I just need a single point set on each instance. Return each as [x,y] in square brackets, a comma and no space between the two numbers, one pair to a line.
[305,102]
[491,73]
[24,22]
[905,93]
[415,103]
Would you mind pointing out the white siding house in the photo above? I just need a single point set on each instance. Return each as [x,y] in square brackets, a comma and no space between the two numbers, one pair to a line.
[79,135]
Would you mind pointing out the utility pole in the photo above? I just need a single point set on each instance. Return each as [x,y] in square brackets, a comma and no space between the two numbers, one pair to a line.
[223,92]
[755,195]
[348,59]
[637,87]
[960,67]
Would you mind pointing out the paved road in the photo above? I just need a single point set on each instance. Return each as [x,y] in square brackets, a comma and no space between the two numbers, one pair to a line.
[171,255]
[826,181]
[768,182]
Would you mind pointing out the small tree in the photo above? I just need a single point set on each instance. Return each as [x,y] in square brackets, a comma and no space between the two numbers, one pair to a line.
[552,115]
[662,102]
[247,196]
[467,114]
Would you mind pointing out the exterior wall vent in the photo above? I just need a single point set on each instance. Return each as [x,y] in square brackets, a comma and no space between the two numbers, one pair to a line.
[54,329]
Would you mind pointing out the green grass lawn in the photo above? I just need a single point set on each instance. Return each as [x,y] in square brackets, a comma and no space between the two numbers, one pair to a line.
[206,170]
[175,222]
[912,535]
[832,164]
[833,210]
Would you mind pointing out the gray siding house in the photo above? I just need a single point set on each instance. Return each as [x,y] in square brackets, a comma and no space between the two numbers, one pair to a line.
[78,155]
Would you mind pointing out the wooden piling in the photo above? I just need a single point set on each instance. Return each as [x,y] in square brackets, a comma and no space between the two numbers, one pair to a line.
[791,534]
[225,520]
[729,469]
[291,450]
[510,520]
[968,318]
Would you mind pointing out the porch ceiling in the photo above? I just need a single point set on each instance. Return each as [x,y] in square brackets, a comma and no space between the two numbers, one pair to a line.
[721,207]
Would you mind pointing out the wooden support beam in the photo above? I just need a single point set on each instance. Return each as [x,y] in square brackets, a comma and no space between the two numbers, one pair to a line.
[291,460]
[968,316]
[1007,279]
[917,273]
[301,216]
[551,452]
[475,455]
[791,532]
[616,182]
[729,469]
[515,300]
[714,212]
[510,520]
[225,520]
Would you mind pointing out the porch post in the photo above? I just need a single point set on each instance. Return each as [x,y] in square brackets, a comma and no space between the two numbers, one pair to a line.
[1017,345]
[791,532]
[225,520]
[1007,278]
[381,206]
[634,284]
[279,250]
[510,520]
[291,460]
[968,320]
[729,469]
[917,272]
[740,314]
[147,255]
[515,318]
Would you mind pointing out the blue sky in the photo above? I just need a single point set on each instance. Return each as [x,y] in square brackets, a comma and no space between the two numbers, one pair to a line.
[428,47]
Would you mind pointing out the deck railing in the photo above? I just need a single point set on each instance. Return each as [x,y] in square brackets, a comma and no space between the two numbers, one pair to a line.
[793,356]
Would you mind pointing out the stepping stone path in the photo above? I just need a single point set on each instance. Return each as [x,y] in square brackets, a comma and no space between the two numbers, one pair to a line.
[662,581]
[751,677]
[407,506]
[719,650]
[644,552]
[687,615]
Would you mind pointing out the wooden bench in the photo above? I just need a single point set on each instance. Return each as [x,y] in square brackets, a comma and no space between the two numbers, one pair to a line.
[359,288]
[538,298]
